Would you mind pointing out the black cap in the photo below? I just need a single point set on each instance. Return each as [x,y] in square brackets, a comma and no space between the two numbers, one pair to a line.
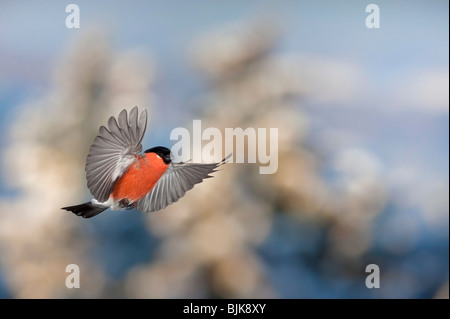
[162,152]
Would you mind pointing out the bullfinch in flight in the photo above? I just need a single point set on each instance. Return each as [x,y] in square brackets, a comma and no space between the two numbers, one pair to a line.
[118,176]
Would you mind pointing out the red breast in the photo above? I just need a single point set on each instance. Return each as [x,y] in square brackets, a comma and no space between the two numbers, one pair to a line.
[140,178]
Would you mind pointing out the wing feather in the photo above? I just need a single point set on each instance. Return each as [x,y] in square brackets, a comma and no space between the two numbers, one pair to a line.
[175,182]
[113,151]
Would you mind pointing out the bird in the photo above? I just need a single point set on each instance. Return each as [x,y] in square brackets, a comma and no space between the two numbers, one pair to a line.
[119,176]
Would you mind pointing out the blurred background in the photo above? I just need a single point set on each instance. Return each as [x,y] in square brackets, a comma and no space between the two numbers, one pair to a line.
[363,175]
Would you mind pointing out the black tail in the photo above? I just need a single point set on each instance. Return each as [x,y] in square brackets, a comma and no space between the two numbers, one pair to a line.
[86,210]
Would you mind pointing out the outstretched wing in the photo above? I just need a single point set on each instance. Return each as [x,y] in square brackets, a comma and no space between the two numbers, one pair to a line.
[113,151]
[174,183]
